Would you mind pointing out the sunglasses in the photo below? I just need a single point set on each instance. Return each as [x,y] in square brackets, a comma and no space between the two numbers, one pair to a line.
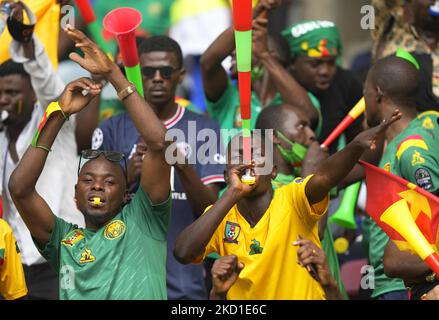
[112,156]
[165,72]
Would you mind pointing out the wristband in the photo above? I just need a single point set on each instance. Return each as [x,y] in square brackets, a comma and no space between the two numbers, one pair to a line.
[51,108]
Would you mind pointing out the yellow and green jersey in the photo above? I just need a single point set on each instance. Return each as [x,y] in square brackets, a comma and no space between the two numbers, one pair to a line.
[266,249]
[125,259]
[414,156]
[12,280]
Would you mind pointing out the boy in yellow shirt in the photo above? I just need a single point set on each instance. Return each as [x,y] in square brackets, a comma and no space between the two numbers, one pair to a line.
[259,226]
[12,281]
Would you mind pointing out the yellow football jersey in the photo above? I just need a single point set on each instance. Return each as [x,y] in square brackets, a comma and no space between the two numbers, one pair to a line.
[271,270]
[12,281]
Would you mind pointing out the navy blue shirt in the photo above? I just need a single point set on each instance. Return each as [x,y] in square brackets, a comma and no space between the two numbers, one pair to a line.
[119,134]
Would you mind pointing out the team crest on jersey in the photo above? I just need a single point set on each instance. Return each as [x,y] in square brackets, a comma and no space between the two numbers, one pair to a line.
[386,167]
[423,179]
[428,123]
[231,233]
[114,230]
[255,247]
[73,237]
[417,158]
[86,256]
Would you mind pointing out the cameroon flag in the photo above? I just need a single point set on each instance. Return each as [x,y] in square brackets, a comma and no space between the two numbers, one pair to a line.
[47,13]
[409,215]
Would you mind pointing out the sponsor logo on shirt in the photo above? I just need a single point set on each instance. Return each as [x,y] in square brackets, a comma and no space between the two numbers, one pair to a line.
[417,159]
[386,167]
[255,247]
[114,230]
[423,179]
[86,256]
[72,238]
[231,232]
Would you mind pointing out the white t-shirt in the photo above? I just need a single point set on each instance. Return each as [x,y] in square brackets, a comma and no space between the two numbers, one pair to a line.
[57,181]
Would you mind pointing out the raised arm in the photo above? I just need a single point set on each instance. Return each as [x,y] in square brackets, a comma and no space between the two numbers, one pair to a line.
[47,83]
[214,75]
[33,209]
[193,240]
[332,171]
[155,175]
[290,90]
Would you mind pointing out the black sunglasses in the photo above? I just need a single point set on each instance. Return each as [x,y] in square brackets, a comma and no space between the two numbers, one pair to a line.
[165,72]
[112,156]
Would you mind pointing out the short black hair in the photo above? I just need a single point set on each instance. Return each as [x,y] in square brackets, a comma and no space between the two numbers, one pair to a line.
[10,67]
[163,44]
[270,118]
[396,77]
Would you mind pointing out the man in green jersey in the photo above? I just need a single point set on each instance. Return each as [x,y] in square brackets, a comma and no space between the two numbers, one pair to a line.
[413,154]
[121,254]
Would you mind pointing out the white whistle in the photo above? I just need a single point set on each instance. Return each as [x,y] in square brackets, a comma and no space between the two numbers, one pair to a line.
[247,178]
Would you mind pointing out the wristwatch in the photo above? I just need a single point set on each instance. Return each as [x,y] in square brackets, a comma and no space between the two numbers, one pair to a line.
[127,91]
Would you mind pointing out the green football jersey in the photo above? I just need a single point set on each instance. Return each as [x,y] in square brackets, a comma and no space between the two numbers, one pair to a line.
[414,156]
[125,259]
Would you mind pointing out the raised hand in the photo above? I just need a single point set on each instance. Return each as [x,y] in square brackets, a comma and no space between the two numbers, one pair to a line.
[313,259]
[78,94]
[234,182]
[95,60]
[225,272]
[265,5]
[367,139]
[259,35]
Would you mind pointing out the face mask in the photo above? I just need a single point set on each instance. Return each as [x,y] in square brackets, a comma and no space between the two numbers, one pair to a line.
[294,155]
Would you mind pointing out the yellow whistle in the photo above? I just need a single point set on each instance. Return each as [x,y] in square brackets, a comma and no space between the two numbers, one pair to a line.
[97,201]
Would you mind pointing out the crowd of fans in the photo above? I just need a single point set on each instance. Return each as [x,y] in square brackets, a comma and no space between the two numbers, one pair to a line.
[110,194]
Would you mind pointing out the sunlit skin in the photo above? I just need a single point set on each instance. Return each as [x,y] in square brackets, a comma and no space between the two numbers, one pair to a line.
[160,91]
[297,128]
[17,98]
[314,74]
[100,191]
[235,159]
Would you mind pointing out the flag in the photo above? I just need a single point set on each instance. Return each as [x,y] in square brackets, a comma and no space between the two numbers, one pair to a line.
[408,214]
[47,13]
